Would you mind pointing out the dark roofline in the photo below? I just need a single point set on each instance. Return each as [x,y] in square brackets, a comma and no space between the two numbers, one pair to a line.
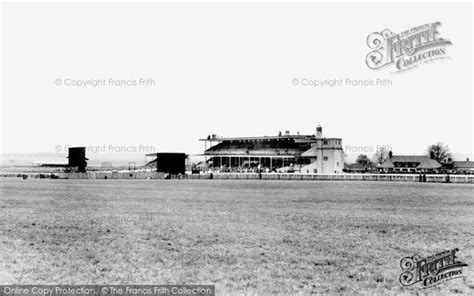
[303,137]
[166,153]
[251,155]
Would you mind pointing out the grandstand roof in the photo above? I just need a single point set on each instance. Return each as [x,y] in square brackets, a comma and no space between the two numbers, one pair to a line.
[296,137]
[248,155]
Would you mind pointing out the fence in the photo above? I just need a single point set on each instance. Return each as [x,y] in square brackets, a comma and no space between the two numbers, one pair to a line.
[336,177]
[466,179]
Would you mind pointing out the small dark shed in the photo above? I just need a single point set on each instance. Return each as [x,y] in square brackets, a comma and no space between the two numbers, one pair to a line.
[77,158]
[170,162]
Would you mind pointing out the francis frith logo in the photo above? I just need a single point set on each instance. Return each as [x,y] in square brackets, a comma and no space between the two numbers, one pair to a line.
[431,270]
[408,49]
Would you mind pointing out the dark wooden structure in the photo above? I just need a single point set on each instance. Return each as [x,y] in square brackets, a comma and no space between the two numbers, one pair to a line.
[77,158]
[169,162]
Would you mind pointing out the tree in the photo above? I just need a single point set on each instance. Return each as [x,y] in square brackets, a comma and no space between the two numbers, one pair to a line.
[380,155]
[438,151]
[363,159]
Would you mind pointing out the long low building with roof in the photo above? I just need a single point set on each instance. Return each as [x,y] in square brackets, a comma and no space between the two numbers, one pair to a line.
[283,153]
[466,167]
[409,164]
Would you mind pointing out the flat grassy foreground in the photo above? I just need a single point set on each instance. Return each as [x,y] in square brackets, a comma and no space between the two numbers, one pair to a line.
[246,237]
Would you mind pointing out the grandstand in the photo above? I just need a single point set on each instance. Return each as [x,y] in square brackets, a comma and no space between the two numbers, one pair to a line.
[281,153]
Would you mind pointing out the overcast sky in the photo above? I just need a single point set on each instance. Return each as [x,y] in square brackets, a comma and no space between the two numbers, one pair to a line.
[227,69]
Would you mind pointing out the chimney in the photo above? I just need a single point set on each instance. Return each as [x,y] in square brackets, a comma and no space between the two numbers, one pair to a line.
[467,159]
[390,154]
[287,133]
[319,131]
[432,155]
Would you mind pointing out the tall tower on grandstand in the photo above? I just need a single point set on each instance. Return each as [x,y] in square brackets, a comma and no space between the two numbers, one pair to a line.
[319,131]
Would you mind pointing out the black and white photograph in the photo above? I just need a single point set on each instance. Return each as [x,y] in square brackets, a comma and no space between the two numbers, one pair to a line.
[155,148]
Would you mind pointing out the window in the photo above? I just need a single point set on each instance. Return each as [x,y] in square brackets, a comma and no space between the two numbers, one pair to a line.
[325,158]
[337,163]
[325,142]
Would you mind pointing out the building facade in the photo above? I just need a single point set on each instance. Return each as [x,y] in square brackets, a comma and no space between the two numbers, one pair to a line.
[409,164]
[282,153]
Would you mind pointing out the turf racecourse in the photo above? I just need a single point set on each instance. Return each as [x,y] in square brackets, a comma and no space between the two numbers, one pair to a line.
[246,237]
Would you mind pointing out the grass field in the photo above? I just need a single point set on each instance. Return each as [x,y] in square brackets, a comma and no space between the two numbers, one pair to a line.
[250,237]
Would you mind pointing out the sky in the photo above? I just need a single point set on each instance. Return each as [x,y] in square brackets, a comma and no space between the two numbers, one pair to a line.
[195,69]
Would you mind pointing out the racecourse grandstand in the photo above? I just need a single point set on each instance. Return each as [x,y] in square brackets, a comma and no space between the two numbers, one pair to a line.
[284,152]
